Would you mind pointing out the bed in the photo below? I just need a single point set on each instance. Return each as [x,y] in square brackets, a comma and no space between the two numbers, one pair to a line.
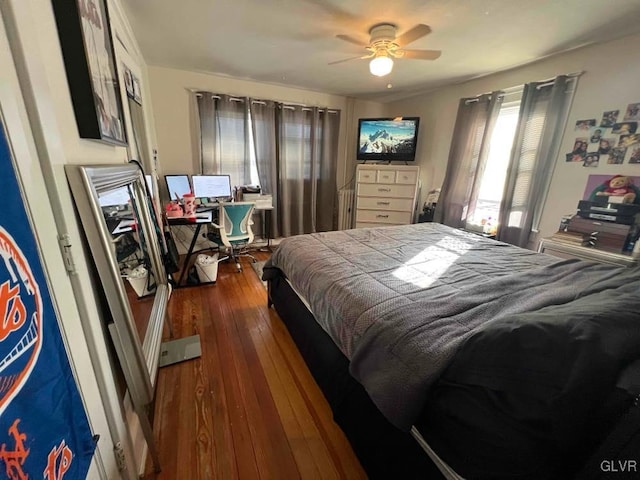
[442,353]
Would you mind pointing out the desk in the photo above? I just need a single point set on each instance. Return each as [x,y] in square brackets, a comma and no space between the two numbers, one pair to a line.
[201,218]
[205,218]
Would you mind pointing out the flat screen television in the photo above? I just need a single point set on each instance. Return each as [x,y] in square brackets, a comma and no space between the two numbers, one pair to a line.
[388,139]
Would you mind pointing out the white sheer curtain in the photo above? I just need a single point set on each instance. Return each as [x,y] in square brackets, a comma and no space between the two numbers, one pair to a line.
[543,115]
[467,158]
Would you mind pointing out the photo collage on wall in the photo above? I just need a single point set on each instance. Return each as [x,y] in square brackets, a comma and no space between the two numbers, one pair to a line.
[612,140]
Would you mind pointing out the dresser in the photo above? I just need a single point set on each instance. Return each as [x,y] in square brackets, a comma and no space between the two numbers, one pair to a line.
[567,250]
[385,194]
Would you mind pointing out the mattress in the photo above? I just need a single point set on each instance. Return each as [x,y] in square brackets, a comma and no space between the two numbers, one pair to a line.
[424,312]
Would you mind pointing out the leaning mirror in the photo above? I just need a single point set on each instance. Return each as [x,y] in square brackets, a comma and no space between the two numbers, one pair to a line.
[124,241]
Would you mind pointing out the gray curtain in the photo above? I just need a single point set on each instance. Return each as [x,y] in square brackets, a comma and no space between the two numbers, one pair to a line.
[543,115]
[206,105]
[467,158]
[224,136]
[263,123]
[326,205]
[307,148]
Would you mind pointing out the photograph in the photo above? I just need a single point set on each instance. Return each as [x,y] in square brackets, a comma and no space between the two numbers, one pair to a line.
[596,136]
[128,80]
[87,48]
[628,140]
[591,160]
[609,118]
[635,156]
[625,128]
[580,145]
[633,112]
[605,145]
[599,183]
[137,94]
[585,124]
[616,155]
[574,157]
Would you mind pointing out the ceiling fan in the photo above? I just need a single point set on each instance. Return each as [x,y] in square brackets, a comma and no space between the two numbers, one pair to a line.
[384,46]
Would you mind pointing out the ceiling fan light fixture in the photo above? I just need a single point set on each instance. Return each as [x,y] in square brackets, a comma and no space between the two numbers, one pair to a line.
[381,65]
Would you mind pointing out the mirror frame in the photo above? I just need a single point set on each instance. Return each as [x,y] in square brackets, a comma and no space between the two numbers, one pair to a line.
[139,361]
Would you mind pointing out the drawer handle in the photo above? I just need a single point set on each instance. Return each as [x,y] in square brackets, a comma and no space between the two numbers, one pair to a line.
[382,216]
[384,203]
[384,189]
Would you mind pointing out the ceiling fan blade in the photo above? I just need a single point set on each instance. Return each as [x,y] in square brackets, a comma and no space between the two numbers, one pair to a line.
[353,40]
[345,60]
[422,54]
[413,34]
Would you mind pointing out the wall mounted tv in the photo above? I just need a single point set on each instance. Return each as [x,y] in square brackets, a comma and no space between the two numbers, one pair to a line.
[388,139]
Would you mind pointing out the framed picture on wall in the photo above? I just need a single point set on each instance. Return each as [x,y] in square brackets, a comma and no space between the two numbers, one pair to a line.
[87,48]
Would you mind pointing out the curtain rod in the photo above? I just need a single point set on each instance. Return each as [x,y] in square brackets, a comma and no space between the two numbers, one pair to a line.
[287,105]
[306,109]
[519,88]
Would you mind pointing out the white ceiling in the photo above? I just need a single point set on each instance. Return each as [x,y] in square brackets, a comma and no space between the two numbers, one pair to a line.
[291,42]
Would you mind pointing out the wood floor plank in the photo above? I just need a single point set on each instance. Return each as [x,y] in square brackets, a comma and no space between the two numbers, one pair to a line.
[309,434]
[224,464]
[248,408]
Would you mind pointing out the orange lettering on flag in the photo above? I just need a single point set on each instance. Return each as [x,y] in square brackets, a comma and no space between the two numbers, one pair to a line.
[13,311]
[58,462]
[14,459]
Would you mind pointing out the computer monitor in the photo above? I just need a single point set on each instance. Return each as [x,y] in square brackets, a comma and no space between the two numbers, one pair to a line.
[114,198]
[177,185]
[211,186]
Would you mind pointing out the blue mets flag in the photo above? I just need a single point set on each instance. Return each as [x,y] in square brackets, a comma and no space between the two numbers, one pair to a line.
[44,431]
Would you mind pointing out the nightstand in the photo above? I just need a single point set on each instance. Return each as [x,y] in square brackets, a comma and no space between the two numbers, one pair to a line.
[567,250]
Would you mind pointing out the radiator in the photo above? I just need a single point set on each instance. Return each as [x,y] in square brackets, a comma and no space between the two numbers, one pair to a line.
[346,209]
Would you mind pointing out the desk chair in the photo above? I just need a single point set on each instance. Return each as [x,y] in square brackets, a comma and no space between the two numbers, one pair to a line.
[234,231]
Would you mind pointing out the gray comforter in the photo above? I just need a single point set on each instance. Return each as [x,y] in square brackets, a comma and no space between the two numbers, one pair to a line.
[399,301]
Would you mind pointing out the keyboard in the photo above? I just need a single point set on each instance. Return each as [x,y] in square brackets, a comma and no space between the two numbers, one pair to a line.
[204,208]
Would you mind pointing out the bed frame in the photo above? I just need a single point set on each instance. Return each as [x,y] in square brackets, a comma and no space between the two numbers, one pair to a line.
[387,452]
[383,450]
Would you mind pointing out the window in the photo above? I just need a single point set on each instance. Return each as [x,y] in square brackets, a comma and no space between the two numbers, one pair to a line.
[485,215]
[253,163]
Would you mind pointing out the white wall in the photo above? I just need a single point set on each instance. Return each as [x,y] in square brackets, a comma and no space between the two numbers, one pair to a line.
[174,113]
[610,82]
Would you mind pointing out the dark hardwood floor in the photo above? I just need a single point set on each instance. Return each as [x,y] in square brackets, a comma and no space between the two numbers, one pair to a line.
[248,408]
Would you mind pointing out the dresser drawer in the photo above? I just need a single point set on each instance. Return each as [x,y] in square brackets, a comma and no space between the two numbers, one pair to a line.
[381,216]
[366,175]
[398,204]
[398,191]
[406,177]
[386,176]
[373,224]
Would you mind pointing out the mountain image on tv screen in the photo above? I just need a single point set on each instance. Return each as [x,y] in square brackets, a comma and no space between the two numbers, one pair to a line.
[387,136]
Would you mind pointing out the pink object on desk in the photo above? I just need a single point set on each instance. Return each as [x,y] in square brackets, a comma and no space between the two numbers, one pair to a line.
[173,209]
[189,203]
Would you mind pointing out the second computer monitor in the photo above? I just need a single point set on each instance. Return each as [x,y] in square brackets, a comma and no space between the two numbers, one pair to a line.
[177,185]
[211,186]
